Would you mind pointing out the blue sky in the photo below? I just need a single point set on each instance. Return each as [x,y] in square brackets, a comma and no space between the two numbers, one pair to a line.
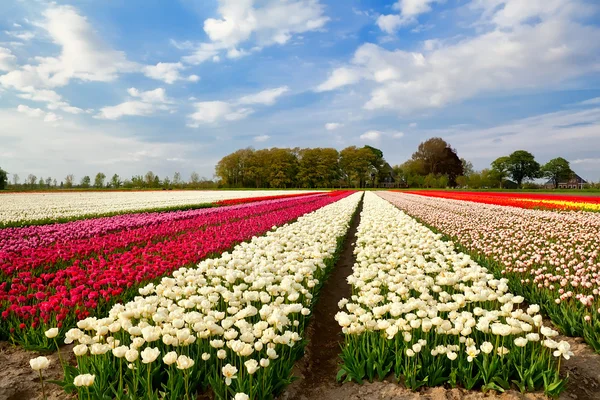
[127,87]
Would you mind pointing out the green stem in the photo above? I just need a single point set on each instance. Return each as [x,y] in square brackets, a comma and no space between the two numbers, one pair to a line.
[42,381]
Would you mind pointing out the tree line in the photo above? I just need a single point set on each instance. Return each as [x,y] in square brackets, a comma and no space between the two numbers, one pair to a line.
[427,169]
[303,168]
[100,181]
[435,164]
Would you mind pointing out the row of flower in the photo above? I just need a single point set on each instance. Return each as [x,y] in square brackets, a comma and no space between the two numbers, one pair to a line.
[522,200]
[20,209]
[73,282]
[29,248]
[550,258]
[233,323]
[431,315]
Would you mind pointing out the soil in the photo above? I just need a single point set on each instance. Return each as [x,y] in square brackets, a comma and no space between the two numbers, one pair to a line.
[19,382]
[319,366]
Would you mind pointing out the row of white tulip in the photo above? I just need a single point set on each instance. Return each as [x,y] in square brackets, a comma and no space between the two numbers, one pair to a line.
[25,207]
[434,316]
[234,323]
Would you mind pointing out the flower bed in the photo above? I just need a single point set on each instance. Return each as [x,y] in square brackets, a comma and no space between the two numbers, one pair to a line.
[233,323]
[70,280]
[21,209]
[522,200]
[551,258]
[433,316]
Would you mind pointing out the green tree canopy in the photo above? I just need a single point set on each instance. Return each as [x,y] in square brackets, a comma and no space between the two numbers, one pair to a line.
[99,180]
[557,170]
[85,182]
[3,179]
[522,165]
[500,169]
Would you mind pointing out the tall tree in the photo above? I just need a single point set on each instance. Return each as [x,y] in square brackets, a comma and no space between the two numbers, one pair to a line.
[85,182]
[437,157]
[318,167]
[355,163]
[31,180]
[99,180]
[3,179]
[15,179]
[282,168]
[500,168]
[69,180]
[467,167]
[149,178]
[522,165]
[194,178]
[557,170]
[176,179]
[115,181]
[48,182]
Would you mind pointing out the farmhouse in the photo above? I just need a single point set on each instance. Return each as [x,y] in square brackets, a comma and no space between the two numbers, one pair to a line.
[576,182]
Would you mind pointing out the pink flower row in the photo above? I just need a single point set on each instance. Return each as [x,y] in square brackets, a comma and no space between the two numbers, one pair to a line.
[75,244]
[17,239]
[553,251]
[89,285]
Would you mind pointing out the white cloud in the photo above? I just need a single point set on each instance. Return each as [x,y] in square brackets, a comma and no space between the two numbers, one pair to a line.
[266,23]
[168,72]
[545,51]
[413,125]
[590,102]
[83,54]
[409,11]
[54,100]
[371,136]
[81,149]
[261,138]
[572,134]
[332,126]
[158,95]
[397,135]
[340,77]
[208,112]
[31,112]
[8,61]
[135,108]
[21,35]
[266,97]
[38,113]
[149,103]
[586,161]
[389,23]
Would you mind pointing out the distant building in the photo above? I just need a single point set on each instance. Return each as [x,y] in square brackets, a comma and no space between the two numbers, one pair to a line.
[576,182]
[389,178]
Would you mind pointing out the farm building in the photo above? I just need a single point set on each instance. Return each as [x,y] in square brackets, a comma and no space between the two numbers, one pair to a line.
[576,182]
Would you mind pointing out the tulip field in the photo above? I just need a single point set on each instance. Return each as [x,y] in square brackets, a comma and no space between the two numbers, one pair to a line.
[19,209]
[171,295]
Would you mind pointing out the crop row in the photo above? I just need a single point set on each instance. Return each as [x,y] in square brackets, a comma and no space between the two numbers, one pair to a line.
[521,200]
[431,315]
[233,323]
[81,278]
[21,209]
[551,258]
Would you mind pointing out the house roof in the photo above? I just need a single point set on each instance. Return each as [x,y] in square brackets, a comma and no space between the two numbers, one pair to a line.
[579,180]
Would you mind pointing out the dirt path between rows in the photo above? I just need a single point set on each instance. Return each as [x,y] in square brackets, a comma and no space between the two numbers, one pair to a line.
[319,366]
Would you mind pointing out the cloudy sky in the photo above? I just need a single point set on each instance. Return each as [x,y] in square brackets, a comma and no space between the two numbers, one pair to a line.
[130,86]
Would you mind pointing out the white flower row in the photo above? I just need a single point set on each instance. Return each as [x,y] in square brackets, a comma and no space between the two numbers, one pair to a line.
[241,310]
[37,206]
[406,279]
